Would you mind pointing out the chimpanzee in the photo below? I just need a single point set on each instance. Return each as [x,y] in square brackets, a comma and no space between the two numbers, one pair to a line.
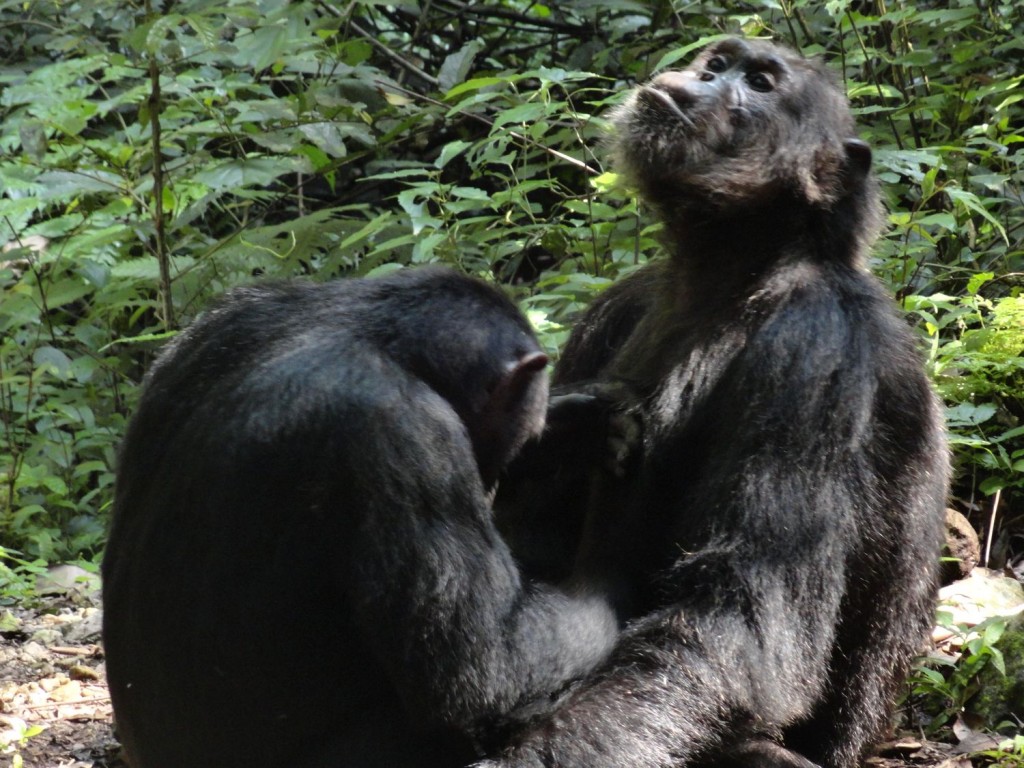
[303,568]
[784,519]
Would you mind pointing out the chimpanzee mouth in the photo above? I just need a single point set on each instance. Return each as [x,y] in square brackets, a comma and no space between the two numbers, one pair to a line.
[659,98]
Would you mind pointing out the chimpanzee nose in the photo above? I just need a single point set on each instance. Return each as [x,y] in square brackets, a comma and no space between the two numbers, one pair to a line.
[680,86]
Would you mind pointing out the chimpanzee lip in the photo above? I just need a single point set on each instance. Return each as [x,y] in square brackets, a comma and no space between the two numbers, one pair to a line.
[657,97]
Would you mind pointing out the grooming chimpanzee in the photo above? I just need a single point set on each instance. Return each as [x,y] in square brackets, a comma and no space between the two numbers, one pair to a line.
[303,569]
[786,513]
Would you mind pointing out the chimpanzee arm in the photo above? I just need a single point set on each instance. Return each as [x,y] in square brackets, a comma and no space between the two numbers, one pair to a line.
[542,505]
[741,655]
[436,590]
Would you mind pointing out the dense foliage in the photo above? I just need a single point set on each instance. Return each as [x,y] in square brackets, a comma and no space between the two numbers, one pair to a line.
[152,155]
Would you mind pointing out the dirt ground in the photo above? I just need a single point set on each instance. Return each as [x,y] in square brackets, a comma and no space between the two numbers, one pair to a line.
[52,675]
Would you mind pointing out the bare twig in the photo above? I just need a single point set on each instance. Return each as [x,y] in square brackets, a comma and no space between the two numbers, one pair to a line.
[991,527]
[75,702]
[407,65]
[70,651]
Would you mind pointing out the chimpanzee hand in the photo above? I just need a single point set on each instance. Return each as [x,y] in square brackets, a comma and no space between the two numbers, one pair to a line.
[600,421]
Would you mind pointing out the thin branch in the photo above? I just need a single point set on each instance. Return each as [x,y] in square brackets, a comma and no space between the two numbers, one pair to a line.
[372,40]
[491,11]
[407,65]
[160,244]
[991,527]
[874,77]
[71,703]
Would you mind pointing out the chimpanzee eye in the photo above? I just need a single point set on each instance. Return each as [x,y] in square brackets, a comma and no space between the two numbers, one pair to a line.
[717,64]
[761,81]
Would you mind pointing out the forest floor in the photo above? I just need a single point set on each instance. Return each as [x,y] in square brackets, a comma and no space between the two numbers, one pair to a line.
[52,676]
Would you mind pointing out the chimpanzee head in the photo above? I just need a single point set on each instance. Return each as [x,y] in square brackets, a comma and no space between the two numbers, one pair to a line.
[746,122]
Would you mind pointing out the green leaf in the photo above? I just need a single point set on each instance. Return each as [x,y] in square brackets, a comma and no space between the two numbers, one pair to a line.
[248,172]
[676,54]
[64,184]
[978,280]
[523,113]
[66,291]
[53,361]
[993,631]
[457,65]
[970,201]
[160,29]
[990,485]
[326,136]
[264,47]
[450,151]
[477,84]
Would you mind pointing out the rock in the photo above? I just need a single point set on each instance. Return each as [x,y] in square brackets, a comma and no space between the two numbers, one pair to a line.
[47,637]
[87,630]
[983,594]
[62,579]
[961,543]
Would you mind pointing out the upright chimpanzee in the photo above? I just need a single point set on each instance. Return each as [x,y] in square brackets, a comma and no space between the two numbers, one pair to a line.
[787,508]
[303,569]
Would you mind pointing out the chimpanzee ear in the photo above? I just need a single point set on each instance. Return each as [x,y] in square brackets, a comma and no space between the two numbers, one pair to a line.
[518,377]
[833,172]
[858,157]
[531,363]
[508,418]
[515,380]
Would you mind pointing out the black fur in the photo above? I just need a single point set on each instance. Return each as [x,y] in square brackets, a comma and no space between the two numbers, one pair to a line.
[784,524]
[303,569]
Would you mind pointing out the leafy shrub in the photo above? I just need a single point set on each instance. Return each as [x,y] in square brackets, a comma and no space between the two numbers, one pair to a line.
[308,138]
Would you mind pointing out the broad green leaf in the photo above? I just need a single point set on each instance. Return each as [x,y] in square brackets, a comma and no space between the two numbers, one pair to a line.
[476,84]
[457,65]
[451,150]
[61,184]
[250,172]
